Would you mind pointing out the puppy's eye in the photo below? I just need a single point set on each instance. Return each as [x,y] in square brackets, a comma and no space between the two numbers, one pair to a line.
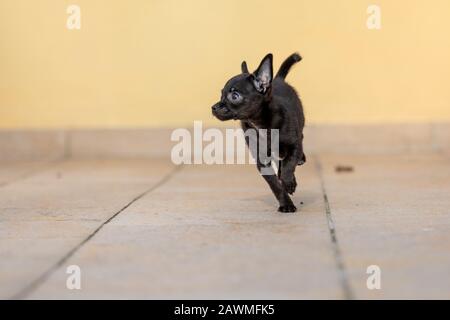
[234,96]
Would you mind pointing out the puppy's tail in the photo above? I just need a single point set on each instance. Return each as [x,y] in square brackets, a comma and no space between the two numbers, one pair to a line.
[287,64]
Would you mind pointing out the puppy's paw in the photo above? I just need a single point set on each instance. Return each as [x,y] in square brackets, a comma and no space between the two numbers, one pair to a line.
[287,208]
[289,185]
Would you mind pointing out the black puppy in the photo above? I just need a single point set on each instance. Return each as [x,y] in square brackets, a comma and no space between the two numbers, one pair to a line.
[263,102]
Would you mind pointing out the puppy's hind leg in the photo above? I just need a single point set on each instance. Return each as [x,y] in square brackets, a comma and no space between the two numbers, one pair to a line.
[288,170]
[301,154]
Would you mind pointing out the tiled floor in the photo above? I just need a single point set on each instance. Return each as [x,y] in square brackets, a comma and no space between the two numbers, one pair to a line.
[148,229]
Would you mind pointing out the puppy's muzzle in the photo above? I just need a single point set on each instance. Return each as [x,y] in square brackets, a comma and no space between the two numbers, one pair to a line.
[222,112]
[215,108]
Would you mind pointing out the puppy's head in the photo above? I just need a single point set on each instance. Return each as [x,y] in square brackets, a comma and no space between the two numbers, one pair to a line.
[243,95]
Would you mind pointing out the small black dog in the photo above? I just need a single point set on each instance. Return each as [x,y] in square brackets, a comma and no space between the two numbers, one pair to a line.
[263,102]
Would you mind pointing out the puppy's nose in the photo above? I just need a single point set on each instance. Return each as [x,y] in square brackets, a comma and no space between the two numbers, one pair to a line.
[215,107]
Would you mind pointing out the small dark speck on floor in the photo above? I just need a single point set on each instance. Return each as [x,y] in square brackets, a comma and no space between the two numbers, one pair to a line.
[343,168]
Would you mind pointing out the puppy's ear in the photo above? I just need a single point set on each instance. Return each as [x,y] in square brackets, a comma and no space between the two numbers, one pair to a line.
[262,77]
[244,68]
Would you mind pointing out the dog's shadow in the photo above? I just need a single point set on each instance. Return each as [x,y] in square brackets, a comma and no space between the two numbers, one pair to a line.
[301,199]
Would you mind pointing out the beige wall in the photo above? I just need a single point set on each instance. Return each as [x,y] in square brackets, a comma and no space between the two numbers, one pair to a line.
[163,63]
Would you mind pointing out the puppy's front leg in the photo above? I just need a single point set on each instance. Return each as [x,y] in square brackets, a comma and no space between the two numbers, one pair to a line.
[287,175]
[286,204]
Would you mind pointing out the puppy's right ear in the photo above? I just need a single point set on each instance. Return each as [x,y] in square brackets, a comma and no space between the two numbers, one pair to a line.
[244,68]
[262,77]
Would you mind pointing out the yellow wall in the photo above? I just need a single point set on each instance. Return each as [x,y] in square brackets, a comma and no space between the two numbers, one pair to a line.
[163,63]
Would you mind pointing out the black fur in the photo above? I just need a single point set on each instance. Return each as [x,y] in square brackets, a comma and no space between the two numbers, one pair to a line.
[261,101]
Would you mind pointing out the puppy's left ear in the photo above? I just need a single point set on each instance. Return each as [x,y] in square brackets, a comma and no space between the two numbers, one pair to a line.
[262,77]
[244,68]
